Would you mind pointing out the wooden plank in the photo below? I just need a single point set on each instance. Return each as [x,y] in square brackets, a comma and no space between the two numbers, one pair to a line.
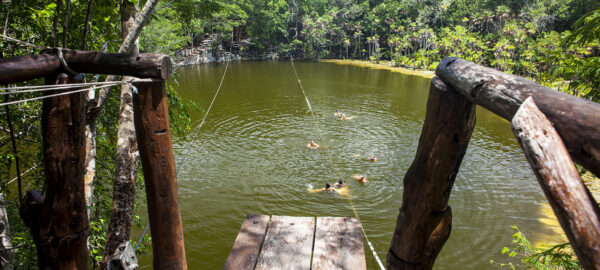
[425,219]
[288,244]
[576,120]
[151,119]
[338,244]
[575,209]
[248,242]
[143,65]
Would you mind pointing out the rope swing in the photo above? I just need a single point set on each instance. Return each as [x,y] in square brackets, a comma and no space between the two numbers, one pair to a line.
[336,169]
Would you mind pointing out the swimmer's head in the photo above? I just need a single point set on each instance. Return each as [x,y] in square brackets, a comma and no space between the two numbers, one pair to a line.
[327,185]
[341,182]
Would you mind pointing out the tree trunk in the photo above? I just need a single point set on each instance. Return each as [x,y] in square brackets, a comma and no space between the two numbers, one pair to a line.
[6,249]
[86,25]
[94,110]
[59,222]
[55,23]
[126,160]
[66,23]
[425,218]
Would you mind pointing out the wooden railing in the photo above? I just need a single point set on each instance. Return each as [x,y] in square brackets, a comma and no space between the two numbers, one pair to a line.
[58,220]
[425,218]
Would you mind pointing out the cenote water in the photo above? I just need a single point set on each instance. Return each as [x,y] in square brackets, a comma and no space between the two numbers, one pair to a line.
[251,157]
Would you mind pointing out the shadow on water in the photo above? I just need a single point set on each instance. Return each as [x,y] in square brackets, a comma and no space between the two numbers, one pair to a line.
[251,157]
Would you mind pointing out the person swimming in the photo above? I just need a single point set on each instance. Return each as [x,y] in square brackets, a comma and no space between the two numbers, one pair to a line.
[312,145]
[338,113]
[360,178]
[343,116]
[326,188]
[340,183]
[372,158]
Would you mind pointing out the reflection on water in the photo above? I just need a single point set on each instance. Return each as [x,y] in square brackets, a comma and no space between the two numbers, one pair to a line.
[251,157]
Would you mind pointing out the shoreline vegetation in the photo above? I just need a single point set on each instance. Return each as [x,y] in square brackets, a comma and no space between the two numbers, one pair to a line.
[387,65]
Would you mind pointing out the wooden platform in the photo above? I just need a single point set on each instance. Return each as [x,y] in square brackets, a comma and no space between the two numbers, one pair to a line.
[290,242]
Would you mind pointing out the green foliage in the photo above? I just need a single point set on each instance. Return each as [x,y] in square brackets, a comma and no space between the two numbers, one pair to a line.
[559,256]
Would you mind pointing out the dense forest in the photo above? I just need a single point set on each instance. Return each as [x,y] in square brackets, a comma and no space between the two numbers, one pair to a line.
[554,42]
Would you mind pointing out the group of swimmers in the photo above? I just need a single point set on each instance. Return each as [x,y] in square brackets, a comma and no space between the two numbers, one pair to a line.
[339,187]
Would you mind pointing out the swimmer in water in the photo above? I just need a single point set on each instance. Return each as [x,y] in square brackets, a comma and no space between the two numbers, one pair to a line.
[312,145]
[340,183]
[372,158]
[326,188]
[360,178]
[337,113]
[343,116]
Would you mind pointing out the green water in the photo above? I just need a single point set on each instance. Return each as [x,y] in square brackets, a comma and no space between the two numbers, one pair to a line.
[251,157]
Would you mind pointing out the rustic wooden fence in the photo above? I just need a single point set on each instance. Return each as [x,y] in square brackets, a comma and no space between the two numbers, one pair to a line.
[564,126]
[58,220]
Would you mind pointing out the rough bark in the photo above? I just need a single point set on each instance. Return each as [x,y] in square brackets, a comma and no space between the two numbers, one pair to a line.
[575,119]
[143,65]
[6,249]
[126,160]
[59,222]
[425,219]
[151,119]
[575,209]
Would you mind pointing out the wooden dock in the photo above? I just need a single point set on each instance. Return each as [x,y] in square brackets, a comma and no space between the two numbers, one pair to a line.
[290,242]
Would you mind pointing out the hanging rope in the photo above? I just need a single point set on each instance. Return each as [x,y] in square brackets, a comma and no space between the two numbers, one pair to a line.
[189,146]
[26,89]
[335,167]
[34,88]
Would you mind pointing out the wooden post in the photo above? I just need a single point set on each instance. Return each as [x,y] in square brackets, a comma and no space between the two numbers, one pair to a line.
[576,119]
[59,222]
[575,209]
[151,119]
[425,219]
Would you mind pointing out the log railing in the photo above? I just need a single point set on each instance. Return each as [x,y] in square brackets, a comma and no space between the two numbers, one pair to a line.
[425,218]
[58,220]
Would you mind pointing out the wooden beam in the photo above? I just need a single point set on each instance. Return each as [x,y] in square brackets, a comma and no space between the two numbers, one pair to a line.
[143,65]
[151,118]
[338,244]
[575,209]
[425,219]
[576,120]
[59,222]
[245,251]
[288,243]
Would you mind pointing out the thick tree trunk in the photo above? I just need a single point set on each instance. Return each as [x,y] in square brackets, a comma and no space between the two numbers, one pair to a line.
[575,209]
[126,160]
[59,222]
[425,219]
[6,250]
